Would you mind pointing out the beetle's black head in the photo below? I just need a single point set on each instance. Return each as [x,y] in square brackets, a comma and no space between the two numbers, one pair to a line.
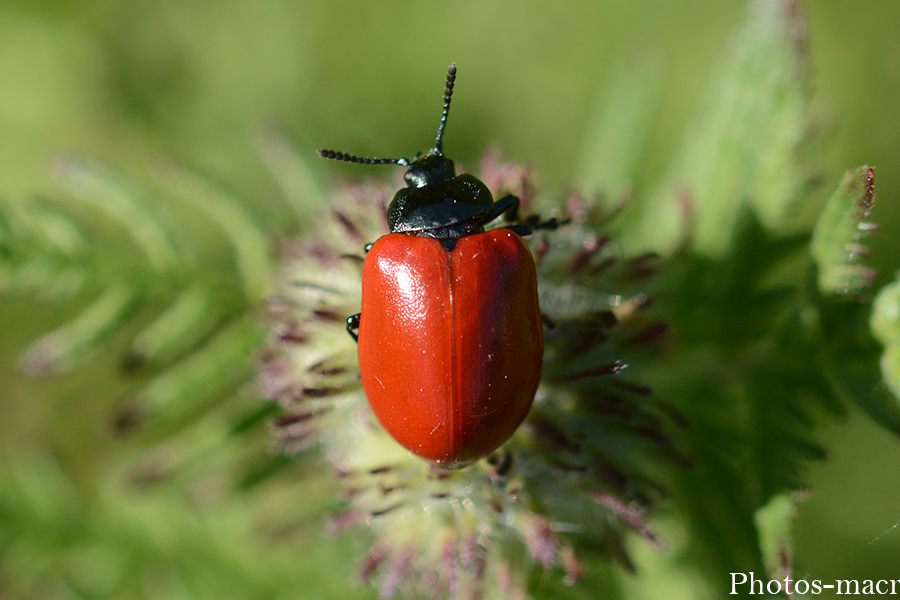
[431,169]
[436,202]
[449,207]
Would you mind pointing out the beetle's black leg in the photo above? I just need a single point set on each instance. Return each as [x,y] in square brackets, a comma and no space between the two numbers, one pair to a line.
[353,320]
[520,230]
[357,257]
[534,222]
[353,326]
[507,206]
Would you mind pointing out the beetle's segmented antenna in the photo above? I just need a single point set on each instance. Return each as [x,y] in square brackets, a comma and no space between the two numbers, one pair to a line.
[403,162]
[448,91]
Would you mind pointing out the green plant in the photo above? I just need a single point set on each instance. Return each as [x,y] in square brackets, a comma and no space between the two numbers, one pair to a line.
[733,289]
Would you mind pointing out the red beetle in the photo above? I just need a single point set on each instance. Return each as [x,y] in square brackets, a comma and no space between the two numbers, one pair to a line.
[450,339]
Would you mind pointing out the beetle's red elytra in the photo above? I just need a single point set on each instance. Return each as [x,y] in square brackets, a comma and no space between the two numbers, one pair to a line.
[451,355]
[450,334]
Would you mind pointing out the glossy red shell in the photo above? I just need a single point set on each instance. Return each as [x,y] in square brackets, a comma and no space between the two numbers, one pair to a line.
[450,342]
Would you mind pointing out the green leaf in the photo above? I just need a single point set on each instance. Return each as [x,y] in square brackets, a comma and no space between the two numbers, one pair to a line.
[115,238]
[851,355]
[197,380]
[743,149]
[193,315]
[885,324]
[121,202]
[249,241]
[748,375]
[59,350]
[836,246]
[616,134]
[774,522]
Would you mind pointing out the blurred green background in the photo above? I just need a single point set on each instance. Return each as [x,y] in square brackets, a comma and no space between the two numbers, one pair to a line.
[127,82]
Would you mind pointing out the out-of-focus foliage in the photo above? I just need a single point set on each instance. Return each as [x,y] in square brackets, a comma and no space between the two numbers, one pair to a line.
[742,151]
[836,243]
[147,471]
[886,327]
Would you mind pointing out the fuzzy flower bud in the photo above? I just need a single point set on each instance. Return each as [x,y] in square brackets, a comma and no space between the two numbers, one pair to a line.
[572,472]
